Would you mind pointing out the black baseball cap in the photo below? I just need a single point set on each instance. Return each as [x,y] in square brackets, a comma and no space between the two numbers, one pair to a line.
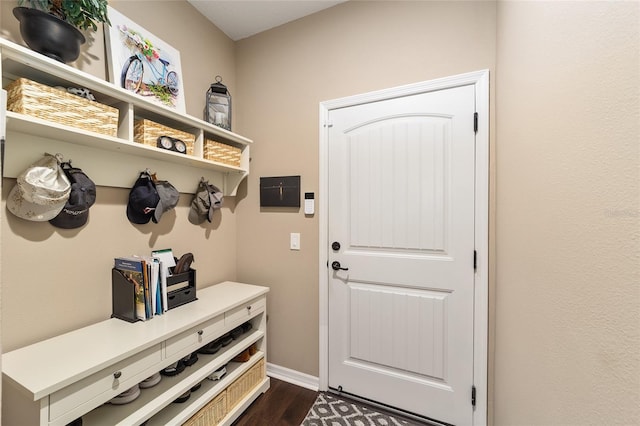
[143,199]
[75,213]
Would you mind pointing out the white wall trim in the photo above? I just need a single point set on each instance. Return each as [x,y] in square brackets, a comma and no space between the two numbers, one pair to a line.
[480,80]
[292,376]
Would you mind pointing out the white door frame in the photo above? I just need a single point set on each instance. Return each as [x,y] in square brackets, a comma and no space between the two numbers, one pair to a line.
[480,79]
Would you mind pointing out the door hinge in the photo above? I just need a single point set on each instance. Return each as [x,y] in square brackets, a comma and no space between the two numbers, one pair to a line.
[475,122]
[473,396]
[475,260]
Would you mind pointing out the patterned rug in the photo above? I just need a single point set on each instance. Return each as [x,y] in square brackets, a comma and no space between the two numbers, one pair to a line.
[329,410]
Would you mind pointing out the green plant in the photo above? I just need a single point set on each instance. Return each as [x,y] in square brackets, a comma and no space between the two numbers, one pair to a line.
[82,14]
[162,93]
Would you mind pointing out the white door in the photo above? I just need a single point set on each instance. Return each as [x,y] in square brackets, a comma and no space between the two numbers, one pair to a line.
[401,182]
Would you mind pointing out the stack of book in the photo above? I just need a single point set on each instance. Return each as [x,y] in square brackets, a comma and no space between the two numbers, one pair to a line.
[148,277]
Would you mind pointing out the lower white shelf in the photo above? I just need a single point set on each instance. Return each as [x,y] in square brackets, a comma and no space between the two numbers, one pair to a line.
[156,404]
[177,414]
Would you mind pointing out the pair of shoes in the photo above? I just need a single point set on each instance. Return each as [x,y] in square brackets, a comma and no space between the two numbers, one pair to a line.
[246,355]
[174,369]
[150,382]
[127,396]
[226,339]
[253,349]
[190,359]
[183,398]
[243,356]
[218,374]
[236,332]
[240,330]
[179,366]
[211,347]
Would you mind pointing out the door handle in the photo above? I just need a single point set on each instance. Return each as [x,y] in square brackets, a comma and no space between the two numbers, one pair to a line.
[337,267]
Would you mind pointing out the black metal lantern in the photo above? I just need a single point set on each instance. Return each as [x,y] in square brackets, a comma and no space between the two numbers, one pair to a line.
[218,107]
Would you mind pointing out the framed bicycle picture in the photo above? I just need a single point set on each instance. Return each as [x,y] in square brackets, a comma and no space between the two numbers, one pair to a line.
[142,63]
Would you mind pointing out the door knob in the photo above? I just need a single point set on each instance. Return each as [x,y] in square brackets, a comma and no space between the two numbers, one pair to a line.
[335,246]
[337,267]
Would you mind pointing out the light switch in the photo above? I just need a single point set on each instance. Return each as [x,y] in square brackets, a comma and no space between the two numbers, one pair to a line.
[294,242]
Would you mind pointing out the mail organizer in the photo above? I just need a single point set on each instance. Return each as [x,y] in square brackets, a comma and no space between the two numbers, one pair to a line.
[181,289]
[123,297]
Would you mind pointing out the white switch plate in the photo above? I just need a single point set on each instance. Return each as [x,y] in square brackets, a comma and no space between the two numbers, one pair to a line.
[294,242]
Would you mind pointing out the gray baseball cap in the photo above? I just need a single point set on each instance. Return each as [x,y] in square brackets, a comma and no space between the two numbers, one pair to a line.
[206,199]
[169,197]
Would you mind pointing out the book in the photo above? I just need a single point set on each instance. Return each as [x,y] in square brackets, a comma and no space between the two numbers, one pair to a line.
[152,277]
[154,266]
[132,270]
[166,260]
[166,257]
[158,284]
[147,291]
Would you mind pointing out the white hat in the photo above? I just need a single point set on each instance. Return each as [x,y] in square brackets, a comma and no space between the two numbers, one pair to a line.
[41,190]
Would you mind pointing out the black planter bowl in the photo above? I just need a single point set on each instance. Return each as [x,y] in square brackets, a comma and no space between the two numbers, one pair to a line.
[48,34]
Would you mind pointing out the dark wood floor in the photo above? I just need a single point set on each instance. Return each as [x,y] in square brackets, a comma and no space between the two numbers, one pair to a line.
[283,404]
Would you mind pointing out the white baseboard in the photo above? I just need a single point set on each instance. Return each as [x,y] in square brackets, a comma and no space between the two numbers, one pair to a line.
[294,377]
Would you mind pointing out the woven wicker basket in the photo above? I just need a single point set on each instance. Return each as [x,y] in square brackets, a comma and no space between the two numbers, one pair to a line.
[48,103]
[222,153]
[212,413]
[147,132]
[245,383]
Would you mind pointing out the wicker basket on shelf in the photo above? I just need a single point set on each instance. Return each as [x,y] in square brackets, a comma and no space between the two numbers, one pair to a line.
[245,384]
[212,413]
[222,153]
[147,132]
[52,104]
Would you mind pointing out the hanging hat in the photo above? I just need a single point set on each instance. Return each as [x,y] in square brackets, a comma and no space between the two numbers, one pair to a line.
[143,199]
[216,197]
[82,196]
[206,199]
[41,190]
[200,204]
[169,197]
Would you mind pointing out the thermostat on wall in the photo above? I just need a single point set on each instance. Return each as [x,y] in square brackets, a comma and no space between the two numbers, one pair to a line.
[309,203]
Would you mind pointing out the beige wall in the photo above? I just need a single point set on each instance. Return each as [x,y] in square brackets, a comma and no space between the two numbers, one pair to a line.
[565,221]
[55,280]
[567,345]
[565,205]
[283,75]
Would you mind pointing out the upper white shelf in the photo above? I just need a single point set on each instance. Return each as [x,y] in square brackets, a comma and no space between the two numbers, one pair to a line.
[120,158]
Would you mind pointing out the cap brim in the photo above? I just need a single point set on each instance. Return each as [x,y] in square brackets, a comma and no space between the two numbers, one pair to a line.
[70,220]
[195,217]
[157,214]
[31,211]
[136,217]
[211,207]
[170,196]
